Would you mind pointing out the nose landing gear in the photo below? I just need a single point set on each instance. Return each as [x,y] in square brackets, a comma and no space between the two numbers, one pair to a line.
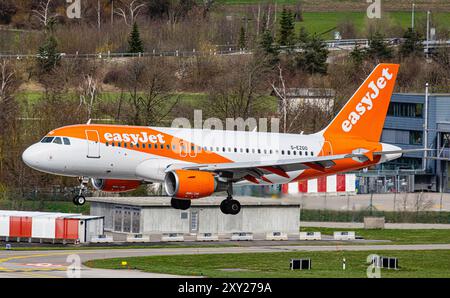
[80,199]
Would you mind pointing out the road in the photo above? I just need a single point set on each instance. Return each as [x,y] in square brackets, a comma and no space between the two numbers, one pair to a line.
[53,264]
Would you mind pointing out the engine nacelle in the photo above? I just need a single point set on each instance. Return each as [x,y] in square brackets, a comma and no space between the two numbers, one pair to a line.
[187,184]
[115,185]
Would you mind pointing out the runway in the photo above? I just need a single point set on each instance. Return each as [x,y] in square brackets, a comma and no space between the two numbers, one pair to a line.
[55,263]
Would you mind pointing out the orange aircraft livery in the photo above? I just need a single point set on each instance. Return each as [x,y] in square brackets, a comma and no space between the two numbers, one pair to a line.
[195,163]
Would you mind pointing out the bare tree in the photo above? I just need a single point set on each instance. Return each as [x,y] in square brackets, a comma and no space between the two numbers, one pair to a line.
[130,12]
[89,93]
[43,14]
[8,84]
[281,93]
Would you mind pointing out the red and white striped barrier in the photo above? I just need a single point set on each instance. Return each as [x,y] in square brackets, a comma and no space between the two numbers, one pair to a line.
[46,225]
[341,183]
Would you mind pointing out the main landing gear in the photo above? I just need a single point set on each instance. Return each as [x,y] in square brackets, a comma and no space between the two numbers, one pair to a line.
[180,204]
[80,199]
[229,205]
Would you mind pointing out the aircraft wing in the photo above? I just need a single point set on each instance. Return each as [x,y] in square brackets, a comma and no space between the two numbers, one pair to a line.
[257,169]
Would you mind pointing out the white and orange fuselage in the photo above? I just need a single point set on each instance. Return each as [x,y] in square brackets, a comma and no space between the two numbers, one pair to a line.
[194,163]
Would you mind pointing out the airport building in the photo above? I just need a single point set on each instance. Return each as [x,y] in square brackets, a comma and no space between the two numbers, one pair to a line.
[405,127]
[153,219]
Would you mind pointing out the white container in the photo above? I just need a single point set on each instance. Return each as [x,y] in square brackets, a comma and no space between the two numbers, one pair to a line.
[344,235]
[207,237]
[241,236]
[4,225]
[276,236]
[310,236]
[172,237]
[43,226]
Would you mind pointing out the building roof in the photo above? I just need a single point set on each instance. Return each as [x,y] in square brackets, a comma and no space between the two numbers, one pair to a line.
[210,201]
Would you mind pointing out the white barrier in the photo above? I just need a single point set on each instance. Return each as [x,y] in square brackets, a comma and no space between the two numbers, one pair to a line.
[207,237]
[102,239]
[276,236]
[172,237]
[241,236]
[138,238]
[344,235]
[310,236]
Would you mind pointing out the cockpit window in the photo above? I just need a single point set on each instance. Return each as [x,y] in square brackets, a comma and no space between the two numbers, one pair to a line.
[47,140]
[57,140]
[66,141]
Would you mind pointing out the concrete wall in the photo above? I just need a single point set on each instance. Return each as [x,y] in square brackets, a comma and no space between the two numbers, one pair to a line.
[106,210]
[255,219]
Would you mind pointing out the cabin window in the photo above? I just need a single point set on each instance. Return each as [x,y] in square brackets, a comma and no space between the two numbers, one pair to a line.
[143,146]
[107,144]
[312,153]
[66,141]
[246,150]
[282,152]
[259,151]
[162,146]
[289,152]
[235,150]
[137,145]
[294,152]
[118,144]
[47,139]
[57,140]
[125,145]
[131,145]
[300,153]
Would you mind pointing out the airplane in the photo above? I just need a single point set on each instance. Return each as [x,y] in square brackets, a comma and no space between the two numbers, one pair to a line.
[196,163]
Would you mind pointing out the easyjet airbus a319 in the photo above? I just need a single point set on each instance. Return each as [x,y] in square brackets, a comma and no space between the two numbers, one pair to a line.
[195,163]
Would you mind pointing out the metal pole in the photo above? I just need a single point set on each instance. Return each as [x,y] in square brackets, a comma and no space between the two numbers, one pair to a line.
[425,130]
[428,33]
[412,17]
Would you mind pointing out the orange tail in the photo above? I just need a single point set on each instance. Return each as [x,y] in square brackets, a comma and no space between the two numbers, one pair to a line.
[363,115]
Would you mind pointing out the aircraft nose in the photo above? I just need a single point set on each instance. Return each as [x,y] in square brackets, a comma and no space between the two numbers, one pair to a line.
[30,156]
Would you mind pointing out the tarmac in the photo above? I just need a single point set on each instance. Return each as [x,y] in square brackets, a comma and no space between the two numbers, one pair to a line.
[60,263]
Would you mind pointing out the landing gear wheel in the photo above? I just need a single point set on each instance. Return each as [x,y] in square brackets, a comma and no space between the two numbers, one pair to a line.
[223,207]
[230,206]
[180,204]
[234,207]
[79,200]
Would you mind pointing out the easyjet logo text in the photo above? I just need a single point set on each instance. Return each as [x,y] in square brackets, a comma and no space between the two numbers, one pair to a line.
[142,137]
[366,103]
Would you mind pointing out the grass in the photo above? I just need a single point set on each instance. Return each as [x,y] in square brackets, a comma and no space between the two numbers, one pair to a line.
[390,216]
[261,265]
[397,236]
[44,206]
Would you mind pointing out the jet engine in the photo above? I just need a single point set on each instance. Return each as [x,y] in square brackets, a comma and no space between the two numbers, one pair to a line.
[187,184]
[115,185]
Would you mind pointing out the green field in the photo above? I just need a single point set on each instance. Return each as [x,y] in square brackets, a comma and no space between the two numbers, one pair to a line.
[259,265]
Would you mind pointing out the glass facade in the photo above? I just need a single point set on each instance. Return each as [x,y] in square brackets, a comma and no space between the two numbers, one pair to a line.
[401,109]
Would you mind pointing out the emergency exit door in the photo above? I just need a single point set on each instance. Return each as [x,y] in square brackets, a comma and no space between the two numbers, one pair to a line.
[93,141]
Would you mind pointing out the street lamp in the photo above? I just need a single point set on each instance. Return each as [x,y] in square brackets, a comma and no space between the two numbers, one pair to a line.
[412,17]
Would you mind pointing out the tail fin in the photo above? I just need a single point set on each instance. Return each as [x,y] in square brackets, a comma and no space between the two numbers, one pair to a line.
[363,115]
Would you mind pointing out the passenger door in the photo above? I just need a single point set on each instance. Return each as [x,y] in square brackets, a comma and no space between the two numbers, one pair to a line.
[93,141]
